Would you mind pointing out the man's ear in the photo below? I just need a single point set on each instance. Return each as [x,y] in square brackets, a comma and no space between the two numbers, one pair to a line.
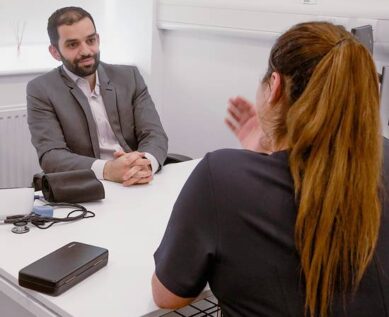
[54,52]
[275,87]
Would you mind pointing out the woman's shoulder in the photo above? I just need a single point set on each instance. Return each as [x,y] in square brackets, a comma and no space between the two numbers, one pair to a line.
[238,156]
[236,164]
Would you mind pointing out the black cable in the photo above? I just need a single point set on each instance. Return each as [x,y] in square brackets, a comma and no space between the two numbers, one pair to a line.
[43,222]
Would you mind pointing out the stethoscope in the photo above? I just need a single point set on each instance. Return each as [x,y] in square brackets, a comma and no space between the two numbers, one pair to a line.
[20,227]
[20,222]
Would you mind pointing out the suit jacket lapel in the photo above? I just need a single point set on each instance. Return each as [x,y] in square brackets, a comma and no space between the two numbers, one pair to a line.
[83,102]
[109,97]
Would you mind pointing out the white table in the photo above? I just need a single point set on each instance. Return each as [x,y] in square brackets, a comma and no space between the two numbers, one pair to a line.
[129,222]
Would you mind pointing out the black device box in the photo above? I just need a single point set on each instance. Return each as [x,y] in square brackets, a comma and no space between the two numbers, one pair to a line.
[58,271]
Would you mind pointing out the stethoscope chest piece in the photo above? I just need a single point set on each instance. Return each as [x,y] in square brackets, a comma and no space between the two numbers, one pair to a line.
[20,227]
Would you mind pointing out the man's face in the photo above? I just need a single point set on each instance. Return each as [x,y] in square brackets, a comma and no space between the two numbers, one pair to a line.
[78,47]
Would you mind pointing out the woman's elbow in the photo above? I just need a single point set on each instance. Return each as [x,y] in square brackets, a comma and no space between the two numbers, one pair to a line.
[164,298]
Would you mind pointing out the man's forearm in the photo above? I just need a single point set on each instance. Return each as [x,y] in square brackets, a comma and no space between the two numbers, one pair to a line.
[59,160]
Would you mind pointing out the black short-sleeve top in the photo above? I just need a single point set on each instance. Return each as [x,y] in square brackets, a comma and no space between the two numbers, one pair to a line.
[232,226]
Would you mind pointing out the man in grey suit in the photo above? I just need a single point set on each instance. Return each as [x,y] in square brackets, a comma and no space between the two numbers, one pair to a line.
[88,114]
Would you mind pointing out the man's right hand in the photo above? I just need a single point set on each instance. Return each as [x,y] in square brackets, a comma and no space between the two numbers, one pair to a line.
[140,172]
[244,123]
[128,168]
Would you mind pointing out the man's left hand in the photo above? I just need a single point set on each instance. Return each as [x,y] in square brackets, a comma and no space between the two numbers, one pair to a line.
[139,172]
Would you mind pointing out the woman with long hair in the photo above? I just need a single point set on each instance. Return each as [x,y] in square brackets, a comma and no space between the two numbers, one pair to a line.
[298,227]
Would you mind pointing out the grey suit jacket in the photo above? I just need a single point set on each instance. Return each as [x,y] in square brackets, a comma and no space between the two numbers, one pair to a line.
[62,127]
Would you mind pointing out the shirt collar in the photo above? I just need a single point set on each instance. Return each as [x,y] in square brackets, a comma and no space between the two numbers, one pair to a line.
[77,79]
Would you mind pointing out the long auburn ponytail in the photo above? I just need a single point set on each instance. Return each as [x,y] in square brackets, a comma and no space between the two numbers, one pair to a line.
[332,125]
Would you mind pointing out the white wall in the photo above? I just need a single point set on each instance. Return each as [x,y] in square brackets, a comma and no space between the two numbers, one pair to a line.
[201,72]
[126,32]
[213,50]
[34,15]
[13,89]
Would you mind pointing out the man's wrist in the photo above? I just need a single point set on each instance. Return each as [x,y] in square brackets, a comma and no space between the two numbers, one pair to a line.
[107,170]
[98,167]
[153,162]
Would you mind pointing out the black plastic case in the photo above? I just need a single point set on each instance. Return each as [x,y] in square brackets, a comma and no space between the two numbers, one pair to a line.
[65,267]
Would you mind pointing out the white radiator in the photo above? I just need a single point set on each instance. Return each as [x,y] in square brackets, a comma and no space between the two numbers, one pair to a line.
[18,158]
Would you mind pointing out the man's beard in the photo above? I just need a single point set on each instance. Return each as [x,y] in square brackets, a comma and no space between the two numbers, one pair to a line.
[82,71]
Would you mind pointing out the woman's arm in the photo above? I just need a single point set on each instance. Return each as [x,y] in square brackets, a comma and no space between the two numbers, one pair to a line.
[164,298]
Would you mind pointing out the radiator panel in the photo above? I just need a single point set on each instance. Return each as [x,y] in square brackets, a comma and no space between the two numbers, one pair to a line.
[18,158]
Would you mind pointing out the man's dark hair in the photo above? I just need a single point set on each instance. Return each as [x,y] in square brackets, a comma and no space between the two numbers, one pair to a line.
[68,16]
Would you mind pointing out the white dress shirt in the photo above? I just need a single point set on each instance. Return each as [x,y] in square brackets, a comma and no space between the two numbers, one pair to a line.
[108,142]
